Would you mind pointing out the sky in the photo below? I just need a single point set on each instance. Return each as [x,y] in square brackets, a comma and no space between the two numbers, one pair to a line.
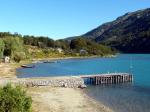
[62,18]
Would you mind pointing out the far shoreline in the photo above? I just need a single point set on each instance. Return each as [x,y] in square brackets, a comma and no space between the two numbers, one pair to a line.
[73,57]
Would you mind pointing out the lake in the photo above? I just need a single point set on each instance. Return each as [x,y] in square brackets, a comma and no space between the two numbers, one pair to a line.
[133,97]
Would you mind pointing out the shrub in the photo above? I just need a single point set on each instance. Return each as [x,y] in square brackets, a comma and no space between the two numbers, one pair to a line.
[14,99]
[18,56]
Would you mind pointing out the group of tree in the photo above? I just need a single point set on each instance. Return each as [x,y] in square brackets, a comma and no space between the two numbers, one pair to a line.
[73,46]
[45,42]
[91,47]
[13,45]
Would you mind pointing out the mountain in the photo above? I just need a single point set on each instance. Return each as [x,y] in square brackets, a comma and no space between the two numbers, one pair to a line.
[129,33]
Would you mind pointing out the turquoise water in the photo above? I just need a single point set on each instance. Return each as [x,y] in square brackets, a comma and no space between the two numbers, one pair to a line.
[133,97]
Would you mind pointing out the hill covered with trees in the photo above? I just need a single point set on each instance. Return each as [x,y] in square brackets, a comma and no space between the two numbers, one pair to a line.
[20,47]
[129,33]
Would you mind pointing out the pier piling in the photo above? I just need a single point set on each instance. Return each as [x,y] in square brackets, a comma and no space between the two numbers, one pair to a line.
[112,78]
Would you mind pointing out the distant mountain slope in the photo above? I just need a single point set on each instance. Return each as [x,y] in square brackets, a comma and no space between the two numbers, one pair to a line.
[128,33]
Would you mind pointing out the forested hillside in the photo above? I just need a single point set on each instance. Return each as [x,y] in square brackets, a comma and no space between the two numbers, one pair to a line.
[25,46]
[128,33]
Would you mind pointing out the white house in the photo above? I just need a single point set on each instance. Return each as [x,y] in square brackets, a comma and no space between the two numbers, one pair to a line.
[6,59]
[83,51]
[59,50]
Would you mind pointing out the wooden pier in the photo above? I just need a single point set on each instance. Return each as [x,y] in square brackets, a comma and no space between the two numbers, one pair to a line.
[111,78]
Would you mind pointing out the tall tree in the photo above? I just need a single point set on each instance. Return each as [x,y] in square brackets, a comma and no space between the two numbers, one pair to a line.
[2,46]
[13,45]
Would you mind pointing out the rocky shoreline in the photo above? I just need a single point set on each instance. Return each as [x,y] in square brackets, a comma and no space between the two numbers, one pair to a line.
[67,82]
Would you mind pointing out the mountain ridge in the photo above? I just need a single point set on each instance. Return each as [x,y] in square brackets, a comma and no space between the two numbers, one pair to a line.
[128,33]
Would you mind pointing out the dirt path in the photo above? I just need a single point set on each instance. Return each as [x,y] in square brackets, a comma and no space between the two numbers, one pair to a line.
[7,70]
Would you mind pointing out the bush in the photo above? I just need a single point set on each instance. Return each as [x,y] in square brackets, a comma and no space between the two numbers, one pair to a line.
[18,56]
[14,99]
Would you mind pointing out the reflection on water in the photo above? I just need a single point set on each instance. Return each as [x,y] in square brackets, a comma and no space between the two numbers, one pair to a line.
[122,98]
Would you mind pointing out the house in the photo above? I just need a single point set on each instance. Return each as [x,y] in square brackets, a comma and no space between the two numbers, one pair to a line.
[83,52]
[6,59]
[59,50]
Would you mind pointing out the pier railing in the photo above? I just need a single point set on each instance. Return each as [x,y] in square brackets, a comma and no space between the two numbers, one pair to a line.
[111,78]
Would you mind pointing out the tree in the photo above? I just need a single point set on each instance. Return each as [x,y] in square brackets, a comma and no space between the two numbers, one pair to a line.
[4,34]
[13,45]
[91,47]
[16,45]
[79,43]
[2,46]
[14,99]
[62,44]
